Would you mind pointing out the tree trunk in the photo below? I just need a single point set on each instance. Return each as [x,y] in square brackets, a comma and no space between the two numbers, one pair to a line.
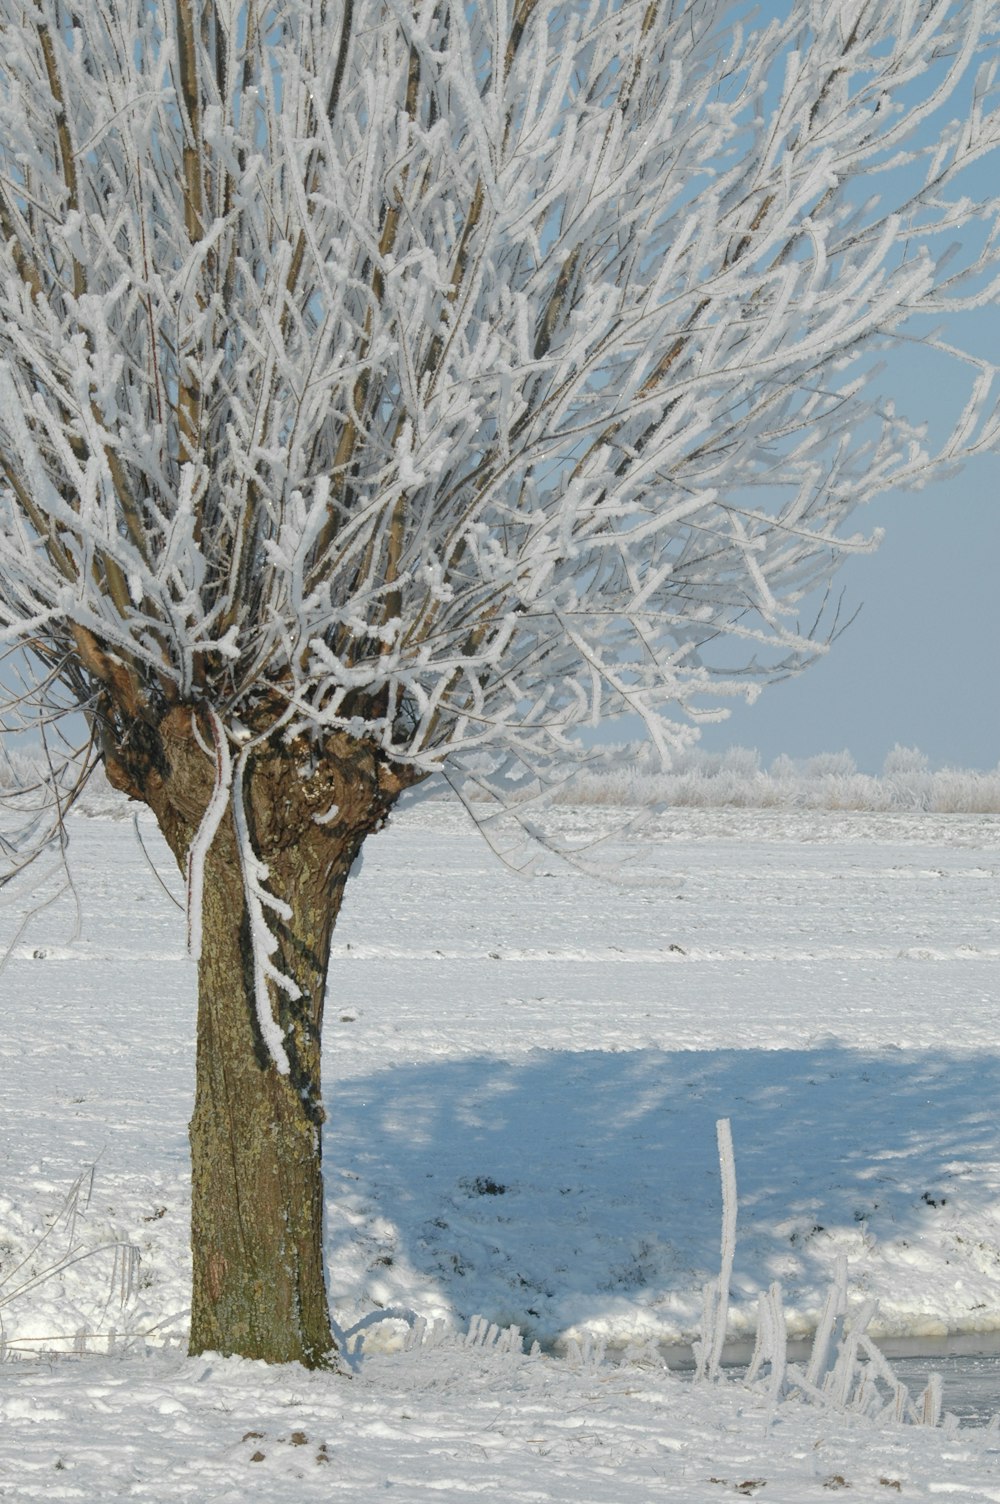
[257,1184]
[257,1187]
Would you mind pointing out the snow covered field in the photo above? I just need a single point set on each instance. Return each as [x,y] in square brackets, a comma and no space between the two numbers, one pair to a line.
[523,1081]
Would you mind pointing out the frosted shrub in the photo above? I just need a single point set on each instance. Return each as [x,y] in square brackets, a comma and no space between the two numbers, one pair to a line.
[904,762]
[699,780]
[735,779]
[907,779]
[56,1250]
[957,791]
[830,765]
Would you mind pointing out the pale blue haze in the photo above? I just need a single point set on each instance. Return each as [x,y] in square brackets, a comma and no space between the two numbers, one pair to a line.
[919,665]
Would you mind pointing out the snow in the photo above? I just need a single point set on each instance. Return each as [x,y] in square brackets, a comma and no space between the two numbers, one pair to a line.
[523,1081]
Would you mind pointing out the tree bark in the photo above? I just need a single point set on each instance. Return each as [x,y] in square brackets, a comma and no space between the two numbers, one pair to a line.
[256,1134]
[257,1184]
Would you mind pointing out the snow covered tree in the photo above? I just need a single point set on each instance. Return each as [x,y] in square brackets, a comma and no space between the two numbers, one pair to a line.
[398,386]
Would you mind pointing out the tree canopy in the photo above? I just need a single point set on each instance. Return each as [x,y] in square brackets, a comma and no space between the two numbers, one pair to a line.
[451,375]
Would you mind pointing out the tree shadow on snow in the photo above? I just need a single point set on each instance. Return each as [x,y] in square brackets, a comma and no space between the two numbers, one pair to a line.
[582,1187]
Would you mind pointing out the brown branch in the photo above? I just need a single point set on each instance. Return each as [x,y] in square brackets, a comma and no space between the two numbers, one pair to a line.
[522,15]
[439,344]
[333,101]
[189,393]
[44,527]
[346,25]
[111,671]
[556,303]
[351,431]
[66,153]
[26,269]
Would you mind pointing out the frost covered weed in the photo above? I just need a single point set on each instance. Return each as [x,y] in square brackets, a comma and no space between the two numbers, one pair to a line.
[57,1250]
[846,1371]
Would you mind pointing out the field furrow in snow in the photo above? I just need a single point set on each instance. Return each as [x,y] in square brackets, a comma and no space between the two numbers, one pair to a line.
[523,1080]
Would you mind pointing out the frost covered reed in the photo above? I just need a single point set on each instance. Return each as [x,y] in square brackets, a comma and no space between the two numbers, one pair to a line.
[846,1371]
[51,1255]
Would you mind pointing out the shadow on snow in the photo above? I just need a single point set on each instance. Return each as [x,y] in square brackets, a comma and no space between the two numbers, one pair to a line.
[582,1187]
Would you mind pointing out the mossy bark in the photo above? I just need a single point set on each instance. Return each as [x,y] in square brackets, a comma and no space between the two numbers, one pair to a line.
[257,1186]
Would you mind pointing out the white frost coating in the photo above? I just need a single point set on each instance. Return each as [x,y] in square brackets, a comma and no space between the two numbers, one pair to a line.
[487,420]
[262,939]
[717,1295]
[328,816]
[831,1323]
[727,1164]
[229,790]
[205,835]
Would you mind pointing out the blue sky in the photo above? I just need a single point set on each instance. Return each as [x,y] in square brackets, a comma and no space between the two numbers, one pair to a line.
[919,665]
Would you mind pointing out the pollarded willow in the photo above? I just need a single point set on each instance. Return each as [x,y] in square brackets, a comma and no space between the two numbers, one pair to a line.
[394,388]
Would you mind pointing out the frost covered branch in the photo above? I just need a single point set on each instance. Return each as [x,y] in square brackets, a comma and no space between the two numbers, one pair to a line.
[453,376]
[450,378]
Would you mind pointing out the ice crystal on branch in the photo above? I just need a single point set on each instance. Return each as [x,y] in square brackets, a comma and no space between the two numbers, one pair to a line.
[390,387]
[450,376]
